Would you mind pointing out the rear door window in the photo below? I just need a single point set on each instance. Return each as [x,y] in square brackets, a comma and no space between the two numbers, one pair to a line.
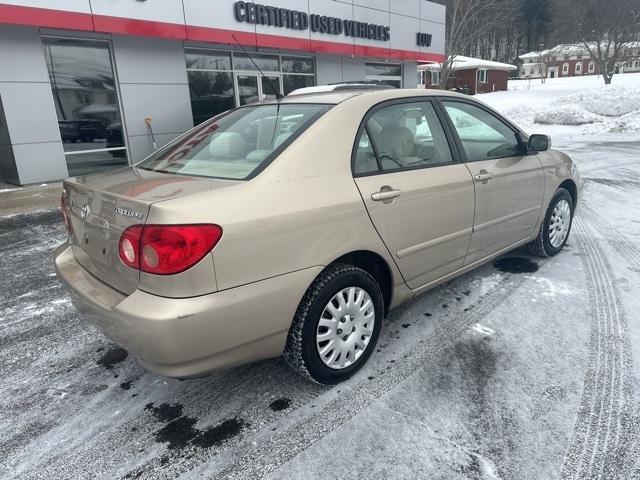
[403,136]
[236,144]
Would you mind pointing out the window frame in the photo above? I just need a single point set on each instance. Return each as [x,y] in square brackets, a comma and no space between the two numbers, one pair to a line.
[46,38]
[382,78]
[455,157]
[482,72]
[519,135]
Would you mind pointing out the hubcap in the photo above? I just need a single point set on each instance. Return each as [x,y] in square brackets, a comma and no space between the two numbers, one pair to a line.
[559,223]
[345,327]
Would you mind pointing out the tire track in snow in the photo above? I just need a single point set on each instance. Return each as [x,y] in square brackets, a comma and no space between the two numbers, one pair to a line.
[603,424]
[257,461]
[627,249]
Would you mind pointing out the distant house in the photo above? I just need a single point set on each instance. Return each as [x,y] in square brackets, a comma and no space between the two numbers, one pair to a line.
[573,60]
[471,75]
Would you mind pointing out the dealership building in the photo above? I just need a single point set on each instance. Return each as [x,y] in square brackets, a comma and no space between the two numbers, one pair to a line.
[87,85]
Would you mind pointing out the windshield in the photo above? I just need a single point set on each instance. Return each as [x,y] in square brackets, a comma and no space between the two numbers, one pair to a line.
[236,144]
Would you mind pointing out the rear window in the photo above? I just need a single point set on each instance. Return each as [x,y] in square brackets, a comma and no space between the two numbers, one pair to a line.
[236,144]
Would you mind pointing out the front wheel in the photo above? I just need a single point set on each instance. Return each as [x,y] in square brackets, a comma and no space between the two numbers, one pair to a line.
[556,227]
[336,326]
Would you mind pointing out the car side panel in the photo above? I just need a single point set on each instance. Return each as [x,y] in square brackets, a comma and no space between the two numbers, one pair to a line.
[507,206]
[428,227]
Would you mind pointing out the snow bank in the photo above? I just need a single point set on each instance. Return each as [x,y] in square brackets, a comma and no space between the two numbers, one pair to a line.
[610,100]
[573,105]
[615,107]
[569,115]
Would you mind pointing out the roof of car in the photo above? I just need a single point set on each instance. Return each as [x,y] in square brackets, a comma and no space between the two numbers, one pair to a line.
[335,97]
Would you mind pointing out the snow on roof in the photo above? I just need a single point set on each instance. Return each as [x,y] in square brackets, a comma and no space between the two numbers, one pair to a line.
[568,49]
[461,62]
[562,49]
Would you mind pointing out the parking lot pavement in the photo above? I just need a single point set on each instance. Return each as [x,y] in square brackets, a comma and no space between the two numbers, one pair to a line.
[15,199]
[525,368]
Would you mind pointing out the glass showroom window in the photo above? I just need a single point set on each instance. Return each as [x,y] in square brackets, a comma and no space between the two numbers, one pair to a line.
[87,105]
[210,83]
[298,72]
[383,73]
[219,80]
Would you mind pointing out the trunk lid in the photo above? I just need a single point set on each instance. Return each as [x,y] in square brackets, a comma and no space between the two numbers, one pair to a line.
[102,206]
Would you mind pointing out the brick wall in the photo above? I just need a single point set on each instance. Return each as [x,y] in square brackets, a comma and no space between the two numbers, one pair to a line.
[496,81]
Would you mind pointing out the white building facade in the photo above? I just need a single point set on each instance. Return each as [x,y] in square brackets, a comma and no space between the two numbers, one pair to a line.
[573,61]
[92,84]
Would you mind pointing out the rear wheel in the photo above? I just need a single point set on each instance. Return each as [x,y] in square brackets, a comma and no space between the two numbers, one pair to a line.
[336,326]
[556,227]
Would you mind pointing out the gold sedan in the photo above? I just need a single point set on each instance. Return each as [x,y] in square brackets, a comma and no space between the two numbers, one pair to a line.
[292,226]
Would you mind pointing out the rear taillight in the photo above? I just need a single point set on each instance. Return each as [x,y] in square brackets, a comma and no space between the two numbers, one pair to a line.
[167,249]
[129,247]
[65,215]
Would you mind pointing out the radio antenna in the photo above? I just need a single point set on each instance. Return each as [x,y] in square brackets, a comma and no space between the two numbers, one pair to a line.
[273,89]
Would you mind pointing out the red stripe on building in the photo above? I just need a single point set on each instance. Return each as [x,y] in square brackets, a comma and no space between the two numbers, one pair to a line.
[319,46]
[288,43]
[220,35]
[146,28]
[44,17]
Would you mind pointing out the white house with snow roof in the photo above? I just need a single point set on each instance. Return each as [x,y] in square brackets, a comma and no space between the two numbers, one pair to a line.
[573,60]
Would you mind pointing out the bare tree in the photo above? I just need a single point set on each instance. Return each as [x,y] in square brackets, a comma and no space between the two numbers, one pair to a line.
[605,28]
[468,22]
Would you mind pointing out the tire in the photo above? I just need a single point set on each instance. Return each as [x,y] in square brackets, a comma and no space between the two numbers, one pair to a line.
[543,246]
[302,351]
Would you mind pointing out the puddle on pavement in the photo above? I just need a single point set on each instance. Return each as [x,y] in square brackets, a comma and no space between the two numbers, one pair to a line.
[280,404]
[180,430]
[112,357]
[516,265]
[178,433]
[214,436]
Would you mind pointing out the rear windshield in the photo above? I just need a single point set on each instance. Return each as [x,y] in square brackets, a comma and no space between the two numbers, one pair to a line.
[236,144]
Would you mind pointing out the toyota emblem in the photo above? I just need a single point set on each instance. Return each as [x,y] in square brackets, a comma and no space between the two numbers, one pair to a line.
[84,212]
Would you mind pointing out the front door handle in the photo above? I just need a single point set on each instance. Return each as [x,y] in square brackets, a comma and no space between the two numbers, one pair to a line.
[386,195]
[484,176]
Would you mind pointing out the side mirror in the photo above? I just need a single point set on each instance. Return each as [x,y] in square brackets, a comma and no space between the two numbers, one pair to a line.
[539,143]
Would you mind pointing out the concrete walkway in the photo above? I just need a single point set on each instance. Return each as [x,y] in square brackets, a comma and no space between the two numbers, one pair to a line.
[15,199]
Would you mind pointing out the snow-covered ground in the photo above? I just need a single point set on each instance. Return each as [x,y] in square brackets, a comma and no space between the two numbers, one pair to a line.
[523,369]
[574,106]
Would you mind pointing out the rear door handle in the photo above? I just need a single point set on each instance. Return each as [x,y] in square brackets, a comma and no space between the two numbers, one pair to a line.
[385,194]
[484,176]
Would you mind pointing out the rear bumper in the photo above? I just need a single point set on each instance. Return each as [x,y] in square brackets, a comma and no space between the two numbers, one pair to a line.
[188,337]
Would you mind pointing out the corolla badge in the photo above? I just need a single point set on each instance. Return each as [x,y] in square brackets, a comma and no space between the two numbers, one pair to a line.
[84,212]
[128,213]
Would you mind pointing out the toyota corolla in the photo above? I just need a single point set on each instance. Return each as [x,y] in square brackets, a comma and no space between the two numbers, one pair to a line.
[292,226]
